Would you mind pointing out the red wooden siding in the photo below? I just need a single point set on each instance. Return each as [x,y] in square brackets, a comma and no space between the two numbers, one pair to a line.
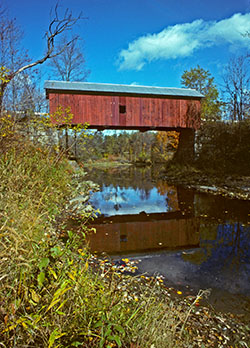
[142,235]
[141,112]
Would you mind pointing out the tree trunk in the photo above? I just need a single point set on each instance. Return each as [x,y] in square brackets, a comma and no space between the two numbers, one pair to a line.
[2,90]
[66,141]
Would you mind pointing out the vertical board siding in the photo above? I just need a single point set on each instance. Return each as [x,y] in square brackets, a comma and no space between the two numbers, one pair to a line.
[142,235]
[103,110]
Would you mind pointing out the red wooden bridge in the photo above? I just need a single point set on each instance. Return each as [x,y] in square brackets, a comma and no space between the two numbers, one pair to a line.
[107,106]
[128,107]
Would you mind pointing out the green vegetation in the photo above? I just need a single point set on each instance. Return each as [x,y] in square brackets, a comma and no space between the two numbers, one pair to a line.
[52,292]
[225,146]
[49,295]
[201,80]
[132,147]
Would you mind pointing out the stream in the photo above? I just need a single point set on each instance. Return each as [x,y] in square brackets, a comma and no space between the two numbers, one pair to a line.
[195,240]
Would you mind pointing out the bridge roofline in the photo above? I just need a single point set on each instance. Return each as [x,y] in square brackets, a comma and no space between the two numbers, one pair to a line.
[117,89]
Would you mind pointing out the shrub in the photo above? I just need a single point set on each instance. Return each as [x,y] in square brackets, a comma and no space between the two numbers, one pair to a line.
[224,147]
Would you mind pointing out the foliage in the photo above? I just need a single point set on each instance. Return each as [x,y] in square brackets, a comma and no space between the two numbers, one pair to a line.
[44,128]
[225,146]
[4,75]
[202,81]
[131,146]
[6,122]
[165,145]
[33,187]
[61,117]
[49,295]
[6,126]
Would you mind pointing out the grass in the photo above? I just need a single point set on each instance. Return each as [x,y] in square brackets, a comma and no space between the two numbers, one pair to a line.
[106,163]
[50,295]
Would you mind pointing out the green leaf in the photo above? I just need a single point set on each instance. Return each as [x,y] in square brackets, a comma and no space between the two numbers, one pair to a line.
[102,342]
[107,332]
[98,324]
[70,234]
[56,251]
[116,339]
[54,336]
[43,263]
[40,279]
[35,296]
[120,329]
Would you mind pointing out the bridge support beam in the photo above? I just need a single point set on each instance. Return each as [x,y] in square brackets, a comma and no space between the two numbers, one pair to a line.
[185,151]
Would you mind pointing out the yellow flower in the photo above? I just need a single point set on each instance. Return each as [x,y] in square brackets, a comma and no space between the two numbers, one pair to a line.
[125,260]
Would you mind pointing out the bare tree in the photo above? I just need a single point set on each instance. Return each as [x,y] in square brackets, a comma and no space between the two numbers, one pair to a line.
[70,64]
[12,55]
[58,25]
[237,87]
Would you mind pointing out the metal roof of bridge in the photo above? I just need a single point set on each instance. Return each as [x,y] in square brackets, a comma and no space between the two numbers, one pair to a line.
[90,87]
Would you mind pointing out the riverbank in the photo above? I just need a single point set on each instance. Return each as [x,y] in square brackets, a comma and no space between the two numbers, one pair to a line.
[208,327]
[106,163]
[231,186]
[216,183]
[55,293]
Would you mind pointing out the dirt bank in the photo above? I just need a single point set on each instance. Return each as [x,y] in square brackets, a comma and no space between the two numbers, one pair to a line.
[226,185]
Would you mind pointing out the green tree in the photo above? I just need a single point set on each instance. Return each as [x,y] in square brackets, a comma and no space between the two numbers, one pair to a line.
[201,80]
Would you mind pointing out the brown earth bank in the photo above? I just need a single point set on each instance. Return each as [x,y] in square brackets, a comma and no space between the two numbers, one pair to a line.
[231,186]
[207,325]
[217,183]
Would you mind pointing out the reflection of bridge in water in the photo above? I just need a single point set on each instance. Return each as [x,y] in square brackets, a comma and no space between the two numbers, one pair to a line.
[126,233]
[144,232]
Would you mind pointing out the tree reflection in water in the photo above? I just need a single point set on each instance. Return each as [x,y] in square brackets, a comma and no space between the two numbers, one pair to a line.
[157,216]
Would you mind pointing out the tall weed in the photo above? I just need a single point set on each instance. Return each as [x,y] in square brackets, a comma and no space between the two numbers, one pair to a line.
[50,296]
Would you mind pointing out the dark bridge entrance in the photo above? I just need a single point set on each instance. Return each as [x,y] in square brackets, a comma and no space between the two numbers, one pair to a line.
[109,106]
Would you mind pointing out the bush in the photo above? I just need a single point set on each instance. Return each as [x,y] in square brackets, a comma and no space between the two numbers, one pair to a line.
[49,295]
[224,147]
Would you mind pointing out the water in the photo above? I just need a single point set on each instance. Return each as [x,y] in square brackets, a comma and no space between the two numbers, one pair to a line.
[195,240]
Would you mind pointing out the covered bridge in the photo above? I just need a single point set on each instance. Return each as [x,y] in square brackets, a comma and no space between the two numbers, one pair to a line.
[129,107]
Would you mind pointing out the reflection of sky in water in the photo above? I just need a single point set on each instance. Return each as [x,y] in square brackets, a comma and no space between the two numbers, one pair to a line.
[223,261]
[120,201]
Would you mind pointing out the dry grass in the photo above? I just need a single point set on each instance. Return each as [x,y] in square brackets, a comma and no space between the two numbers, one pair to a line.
[49,294]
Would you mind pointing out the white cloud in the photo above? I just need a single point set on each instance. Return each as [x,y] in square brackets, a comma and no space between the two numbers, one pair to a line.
[182,40]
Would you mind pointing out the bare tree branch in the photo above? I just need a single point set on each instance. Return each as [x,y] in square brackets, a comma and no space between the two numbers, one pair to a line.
[70,65]
[236,86]
[57,26]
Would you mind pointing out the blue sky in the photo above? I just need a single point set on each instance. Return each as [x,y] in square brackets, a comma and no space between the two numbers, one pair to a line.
[145,42]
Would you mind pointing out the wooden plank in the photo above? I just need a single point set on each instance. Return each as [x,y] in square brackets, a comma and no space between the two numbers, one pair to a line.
[101,110]
[139,236]
[158,117]
[122,116]
[131,117]
[137,110]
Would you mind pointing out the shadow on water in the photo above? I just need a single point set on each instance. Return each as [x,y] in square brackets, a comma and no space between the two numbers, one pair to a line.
[195,240]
